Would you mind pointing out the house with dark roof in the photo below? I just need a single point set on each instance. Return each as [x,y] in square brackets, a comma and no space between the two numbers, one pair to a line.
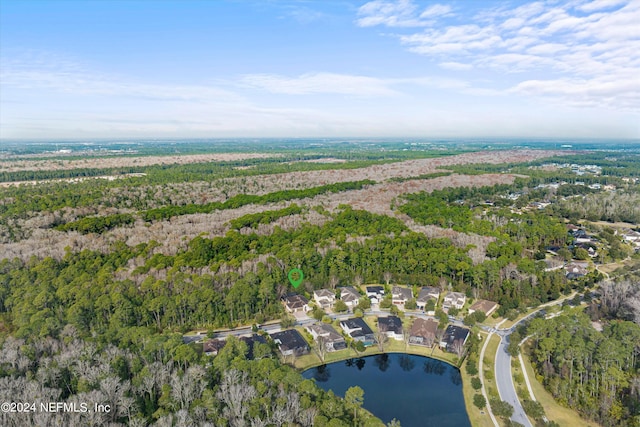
[290,342]
[400,295]
[391,326]
[321,332]
[350,296]
[358,329]
[452,336]
[212,347]
[324,297]
[251,341]
[427,293]
[295,303]
[423,332]
[483,305]
[375,294]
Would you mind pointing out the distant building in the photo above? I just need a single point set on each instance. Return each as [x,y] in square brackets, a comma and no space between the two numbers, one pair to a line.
[487,307]
[290,342]
[332,340]
[295,303]
[453,299]
[212,347]
[391,326]
[251,341]
[575,270]
[358,329]
[400,295]
[325,298]
[427,293]
[423,332]
[375,294]
[350,296]
[452,336]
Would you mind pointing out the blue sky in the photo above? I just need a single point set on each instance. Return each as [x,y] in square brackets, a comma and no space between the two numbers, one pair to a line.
[405,68]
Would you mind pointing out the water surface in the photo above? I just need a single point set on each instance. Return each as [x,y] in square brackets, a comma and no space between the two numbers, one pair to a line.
[417,391]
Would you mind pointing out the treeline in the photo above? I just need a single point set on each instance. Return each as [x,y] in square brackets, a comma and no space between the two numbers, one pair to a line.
[266,217]
[597,373]
[157,380]
[421,176]
[239,278]
[249,199]
[97,224]
[39,175]
[465,209]
[610,206]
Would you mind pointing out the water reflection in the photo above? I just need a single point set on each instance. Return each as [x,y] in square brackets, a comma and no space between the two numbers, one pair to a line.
[322,373]
[395,387]
[406,362]
[382,361]
[358,363]
[456,377]
[432,366]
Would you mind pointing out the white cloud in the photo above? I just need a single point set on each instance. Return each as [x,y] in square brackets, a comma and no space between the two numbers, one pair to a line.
[436,10]
[318,83]
[390,13]
[594,5]
[563,42]
[400,13]
[455,66]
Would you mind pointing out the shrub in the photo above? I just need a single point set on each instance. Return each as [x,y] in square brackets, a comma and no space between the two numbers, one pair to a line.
[479,401]
[340,307]
[476,383]
[472,366]
[533,409]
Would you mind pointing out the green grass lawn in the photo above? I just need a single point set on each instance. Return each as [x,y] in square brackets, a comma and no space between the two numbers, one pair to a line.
[477,417]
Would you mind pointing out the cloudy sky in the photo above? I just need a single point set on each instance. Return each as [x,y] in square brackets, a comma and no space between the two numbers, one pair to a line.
[72,69]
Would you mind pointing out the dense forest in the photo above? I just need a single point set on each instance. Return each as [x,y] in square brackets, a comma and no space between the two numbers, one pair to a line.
[596,372]
[105,324]
[159,380]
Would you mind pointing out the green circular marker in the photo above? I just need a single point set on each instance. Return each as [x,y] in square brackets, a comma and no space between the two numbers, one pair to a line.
[295,277]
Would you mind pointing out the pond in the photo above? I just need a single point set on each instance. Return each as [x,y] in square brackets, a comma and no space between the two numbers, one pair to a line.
[416,390]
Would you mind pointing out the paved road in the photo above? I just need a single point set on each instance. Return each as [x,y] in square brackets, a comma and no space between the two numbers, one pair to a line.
[504,381]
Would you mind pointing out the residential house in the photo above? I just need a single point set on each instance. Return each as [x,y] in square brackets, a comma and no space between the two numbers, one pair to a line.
[632,237]
[251,341]
[427,293]
[423,332]
[485,306]
[553,264]
[290,342]
[391,326]
[350,296]
[324,297]
[375,294]
[575,270]
[400,295]
[454,336]
[212,347]
[295,303]
[453,299]
[358,329]
[332,340]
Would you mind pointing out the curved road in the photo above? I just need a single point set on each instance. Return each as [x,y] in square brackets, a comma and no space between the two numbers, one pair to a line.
[504,379]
